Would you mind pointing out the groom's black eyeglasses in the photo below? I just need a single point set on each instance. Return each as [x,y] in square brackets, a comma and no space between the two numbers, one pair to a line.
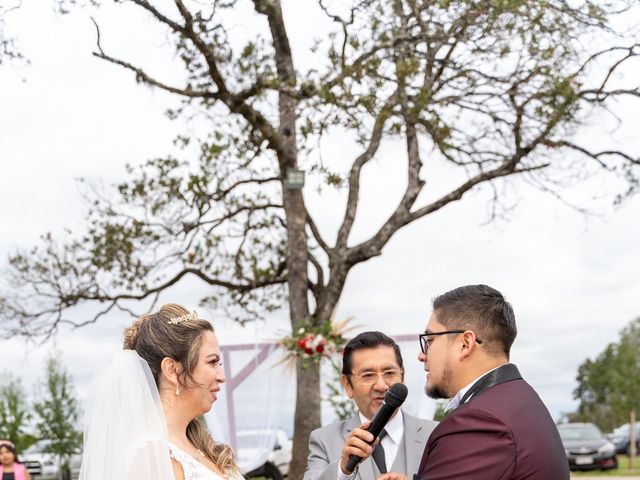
[424,338]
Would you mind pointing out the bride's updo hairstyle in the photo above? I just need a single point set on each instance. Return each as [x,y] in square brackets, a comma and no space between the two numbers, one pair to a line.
[176,333]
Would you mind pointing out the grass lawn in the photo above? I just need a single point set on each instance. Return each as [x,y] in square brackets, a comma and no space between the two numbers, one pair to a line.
[621,471]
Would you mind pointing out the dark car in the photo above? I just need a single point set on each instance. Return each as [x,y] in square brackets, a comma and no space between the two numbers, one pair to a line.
[587,448]
[620,438]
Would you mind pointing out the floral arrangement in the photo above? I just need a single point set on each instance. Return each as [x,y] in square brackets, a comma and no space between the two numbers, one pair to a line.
[315,343]
[311,344]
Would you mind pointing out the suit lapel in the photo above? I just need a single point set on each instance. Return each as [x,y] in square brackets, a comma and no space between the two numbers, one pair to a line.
[414,441]
[502,374]
[349,425]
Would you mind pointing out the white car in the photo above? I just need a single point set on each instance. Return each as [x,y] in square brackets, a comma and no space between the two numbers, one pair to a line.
[47,466]
[250,444]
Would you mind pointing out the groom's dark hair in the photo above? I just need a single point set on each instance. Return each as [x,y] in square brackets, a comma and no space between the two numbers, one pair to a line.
[482,309]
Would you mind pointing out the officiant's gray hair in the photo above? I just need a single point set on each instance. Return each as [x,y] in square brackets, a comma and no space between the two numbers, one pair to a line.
[175,332]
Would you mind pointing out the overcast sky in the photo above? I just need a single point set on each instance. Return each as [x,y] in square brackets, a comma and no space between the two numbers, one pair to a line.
[573,280]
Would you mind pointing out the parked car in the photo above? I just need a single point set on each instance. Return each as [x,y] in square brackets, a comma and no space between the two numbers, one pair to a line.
[587,448]
[276,467]
[48,466]
[620,438]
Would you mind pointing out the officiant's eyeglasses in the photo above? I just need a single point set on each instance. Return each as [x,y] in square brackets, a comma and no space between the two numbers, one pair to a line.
[390,376]
[424,338]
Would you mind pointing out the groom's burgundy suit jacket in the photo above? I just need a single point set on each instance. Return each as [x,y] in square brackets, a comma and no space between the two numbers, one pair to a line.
[504,432]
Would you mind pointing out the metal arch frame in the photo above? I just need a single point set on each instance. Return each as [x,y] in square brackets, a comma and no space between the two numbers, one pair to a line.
[234,381]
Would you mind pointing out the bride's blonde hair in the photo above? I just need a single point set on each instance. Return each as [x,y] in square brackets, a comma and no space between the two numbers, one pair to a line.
[176,333]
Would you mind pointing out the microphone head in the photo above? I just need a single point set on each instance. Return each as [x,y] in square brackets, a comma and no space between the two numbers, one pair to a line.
[396,395]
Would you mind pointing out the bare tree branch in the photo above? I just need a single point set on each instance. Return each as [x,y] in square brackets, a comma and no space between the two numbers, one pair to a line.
[142,76]
[319,273]
[316,233]
[356,169]
[235,103]
[597,156]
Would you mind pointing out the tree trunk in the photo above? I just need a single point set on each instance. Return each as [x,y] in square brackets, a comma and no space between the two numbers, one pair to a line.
[307,416]
[307,413]
[632,439]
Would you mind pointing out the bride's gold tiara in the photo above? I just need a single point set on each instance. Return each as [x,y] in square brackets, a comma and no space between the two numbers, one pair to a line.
[183,318]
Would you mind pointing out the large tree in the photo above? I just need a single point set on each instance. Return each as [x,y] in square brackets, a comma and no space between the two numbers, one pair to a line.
[609,385]
[57,414]
[14,413]
[493,89]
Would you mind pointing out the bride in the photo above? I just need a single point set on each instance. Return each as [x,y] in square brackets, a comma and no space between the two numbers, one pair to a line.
[145,422]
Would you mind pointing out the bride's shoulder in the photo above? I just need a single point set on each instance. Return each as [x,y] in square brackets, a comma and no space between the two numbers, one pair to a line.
[177,454]
[178,471]
[187,467]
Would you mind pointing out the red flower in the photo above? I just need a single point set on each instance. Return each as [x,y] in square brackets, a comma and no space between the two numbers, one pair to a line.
[304,343]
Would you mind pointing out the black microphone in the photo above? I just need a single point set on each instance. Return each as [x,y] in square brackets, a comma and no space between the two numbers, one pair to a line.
[394,397]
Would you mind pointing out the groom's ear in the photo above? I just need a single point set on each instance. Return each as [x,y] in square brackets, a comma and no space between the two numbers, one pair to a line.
[170,369]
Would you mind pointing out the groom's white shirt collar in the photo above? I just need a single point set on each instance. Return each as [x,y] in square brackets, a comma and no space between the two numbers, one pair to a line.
[455,401]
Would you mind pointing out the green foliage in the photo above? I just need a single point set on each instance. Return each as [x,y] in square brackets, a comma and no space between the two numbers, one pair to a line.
[440,412]
[14,413]
[493,88]
[342,405]
[334,179]
[57,413]
[609,386]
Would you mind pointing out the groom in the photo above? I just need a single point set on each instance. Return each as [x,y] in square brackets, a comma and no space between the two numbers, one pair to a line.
[498,428]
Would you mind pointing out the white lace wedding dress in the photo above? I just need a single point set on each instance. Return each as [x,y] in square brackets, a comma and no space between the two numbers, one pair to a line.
[193,469]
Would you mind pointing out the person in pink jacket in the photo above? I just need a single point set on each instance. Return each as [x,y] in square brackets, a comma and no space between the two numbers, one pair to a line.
[10,467]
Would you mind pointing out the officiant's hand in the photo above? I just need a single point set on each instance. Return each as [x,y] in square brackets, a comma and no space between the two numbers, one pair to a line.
[392,476]
[357,443]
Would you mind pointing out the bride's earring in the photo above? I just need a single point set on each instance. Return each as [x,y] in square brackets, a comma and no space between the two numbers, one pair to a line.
[177,391]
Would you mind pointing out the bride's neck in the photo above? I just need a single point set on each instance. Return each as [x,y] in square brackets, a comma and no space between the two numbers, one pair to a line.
[177,419]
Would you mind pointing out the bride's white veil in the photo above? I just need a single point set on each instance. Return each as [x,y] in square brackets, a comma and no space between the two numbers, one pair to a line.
[126,434]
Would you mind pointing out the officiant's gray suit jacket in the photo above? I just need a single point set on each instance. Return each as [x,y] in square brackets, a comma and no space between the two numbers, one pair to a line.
[325,448]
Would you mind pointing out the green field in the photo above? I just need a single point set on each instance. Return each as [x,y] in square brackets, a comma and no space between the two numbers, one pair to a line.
[622,470]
